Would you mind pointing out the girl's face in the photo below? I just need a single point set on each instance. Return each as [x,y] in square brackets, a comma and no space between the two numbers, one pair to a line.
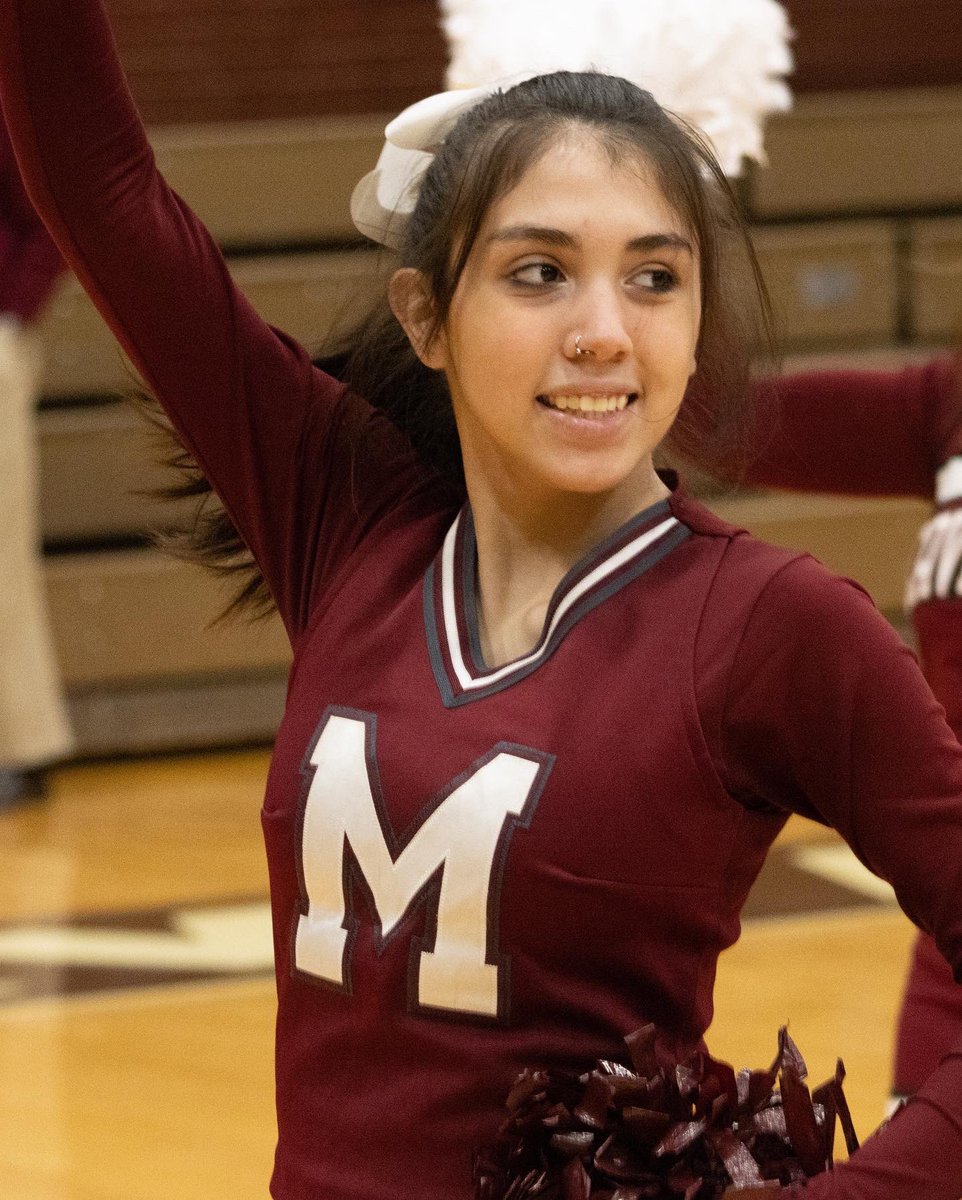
[579,253]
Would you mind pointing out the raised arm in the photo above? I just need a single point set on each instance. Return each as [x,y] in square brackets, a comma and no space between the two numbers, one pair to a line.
[879,433]
[264,425]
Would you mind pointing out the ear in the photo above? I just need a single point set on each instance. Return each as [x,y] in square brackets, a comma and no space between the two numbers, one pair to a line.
[411,302]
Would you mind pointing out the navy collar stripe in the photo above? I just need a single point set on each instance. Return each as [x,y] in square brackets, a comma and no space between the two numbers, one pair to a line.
[450,609]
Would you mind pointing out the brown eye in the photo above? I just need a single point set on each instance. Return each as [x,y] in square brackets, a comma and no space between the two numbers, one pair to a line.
[537,274]
[656,279]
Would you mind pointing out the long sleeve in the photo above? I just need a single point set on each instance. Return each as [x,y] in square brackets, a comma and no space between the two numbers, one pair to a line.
[30,263]
[302,468]
[828,715]
[881,433]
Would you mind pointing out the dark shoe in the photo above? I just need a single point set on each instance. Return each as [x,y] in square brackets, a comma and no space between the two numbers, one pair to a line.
[21,786]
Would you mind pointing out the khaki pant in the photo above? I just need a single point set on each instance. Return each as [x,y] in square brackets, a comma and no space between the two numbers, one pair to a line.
[33,722]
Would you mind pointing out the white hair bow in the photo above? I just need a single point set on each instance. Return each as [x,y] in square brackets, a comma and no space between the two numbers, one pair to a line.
[385,197]
[721,66]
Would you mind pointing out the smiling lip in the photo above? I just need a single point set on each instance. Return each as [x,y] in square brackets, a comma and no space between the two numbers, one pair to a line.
[589,403]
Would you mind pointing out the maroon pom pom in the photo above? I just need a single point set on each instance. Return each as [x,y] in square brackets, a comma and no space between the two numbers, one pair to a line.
[694,1130]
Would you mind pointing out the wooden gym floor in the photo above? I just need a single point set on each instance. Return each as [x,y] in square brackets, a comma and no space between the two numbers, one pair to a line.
[136,1000]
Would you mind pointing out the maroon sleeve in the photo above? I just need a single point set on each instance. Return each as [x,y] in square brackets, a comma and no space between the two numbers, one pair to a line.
[871,433]
[918,1156]
[930,1018]
[301,468]
[30,263]
[827,714]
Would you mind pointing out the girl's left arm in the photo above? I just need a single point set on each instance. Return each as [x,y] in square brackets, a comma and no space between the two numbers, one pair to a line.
[827,714]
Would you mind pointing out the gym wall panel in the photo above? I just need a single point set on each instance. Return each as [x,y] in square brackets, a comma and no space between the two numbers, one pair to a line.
[935,277]
[132,616]
[240,708]
[306,295]
[269,182]
[862,153]
[832,284]
[98,465]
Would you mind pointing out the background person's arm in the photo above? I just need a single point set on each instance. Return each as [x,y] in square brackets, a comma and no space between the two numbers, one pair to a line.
[871,433]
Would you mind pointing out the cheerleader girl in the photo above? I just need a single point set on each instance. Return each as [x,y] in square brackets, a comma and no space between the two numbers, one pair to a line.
[547,713]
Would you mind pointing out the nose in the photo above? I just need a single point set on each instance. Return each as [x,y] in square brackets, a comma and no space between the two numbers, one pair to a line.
[599,329]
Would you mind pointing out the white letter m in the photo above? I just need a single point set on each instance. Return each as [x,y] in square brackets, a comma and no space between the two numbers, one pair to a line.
[464,837]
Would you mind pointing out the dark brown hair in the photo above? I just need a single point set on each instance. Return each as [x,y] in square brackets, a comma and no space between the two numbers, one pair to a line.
[481,159]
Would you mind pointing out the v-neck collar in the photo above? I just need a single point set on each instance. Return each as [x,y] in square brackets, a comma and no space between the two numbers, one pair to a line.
[450,599]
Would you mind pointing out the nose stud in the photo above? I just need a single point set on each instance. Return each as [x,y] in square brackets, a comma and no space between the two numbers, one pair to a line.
[580,351]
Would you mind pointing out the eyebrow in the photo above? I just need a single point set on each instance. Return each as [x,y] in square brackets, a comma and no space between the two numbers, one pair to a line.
[557,237]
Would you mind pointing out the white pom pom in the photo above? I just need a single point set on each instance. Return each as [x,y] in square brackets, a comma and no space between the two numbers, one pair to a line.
[719,63]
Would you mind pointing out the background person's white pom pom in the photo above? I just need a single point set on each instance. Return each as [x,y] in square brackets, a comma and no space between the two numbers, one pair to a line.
[721,65]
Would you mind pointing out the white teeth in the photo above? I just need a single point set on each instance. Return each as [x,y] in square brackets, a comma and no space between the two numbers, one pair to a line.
[589,404]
